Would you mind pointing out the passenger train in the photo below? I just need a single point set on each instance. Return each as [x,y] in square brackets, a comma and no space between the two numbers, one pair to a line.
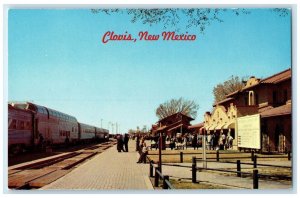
[30,123]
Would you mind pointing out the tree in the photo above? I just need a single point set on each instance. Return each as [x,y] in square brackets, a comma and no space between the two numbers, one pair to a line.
[195,17]
[131,131]
[186,107]
[220,91]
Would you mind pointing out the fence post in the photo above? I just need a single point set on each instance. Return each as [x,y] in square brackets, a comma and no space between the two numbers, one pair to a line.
[156,180]
[165,185]
[255,179]
[289,155]
[194,173]
[151,168]
[181,157]
[255,161]
[252,155]
[218,155]
[238,168]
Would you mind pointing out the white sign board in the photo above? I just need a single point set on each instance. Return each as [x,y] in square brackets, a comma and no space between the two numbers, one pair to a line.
[248,131]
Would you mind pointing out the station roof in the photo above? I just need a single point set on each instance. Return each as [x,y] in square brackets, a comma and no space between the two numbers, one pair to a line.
[223,101]
[277,111]
[178,113]
[199,125]
[279,77]
[274,79]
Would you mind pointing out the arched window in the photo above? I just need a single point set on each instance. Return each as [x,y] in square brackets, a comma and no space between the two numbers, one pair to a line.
[251,98]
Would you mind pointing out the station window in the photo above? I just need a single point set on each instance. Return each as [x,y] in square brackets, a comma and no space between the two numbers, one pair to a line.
[251,98]
[285,97]
[274,97]
[256,99]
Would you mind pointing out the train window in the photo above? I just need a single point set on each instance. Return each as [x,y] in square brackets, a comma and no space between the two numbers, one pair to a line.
[22,125]
[13,124]
[40,110]
[27,125]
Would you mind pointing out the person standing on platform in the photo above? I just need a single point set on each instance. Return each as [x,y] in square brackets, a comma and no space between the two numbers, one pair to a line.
[126,139]
[143,154]
[194,142]
[137,146]
[120,143]
[208,140]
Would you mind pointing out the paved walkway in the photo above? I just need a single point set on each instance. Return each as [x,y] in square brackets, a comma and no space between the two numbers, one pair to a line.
[119,171]
[109,170]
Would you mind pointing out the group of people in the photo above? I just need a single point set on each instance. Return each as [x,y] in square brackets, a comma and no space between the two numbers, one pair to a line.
[214,141]
[122,143]
[219,142]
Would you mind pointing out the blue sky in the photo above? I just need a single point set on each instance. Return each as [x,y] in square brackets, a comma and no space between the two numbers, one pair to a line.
[56,59]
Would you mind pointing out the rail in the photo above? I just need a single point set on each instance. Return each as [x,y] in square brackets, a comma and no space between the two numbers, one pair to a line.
[239,173]
[158,175]
[255,174]
[218,155]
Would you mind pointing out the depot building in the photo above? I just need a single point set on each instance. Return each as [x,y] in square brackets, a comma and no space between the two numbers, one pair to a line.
[258,116]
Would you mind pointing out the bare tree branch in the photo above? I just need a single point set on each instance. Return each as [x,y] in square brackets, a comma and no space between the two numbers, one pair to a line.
[186,107]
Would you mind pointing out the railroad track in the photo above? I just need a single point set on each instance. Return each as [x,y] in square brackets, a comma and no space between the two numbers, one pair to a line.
[45,171]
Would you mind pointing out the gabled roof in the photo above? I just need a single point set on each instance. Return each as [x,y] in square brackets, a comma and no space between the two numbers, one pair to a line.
[233,93]
[277,111]
[190,118]
[279,77]
[223,101]
[199,125]
[274,79]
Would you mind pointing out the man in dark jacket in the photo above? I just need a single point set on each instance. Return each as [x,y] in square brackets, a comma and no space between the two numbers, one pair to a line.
[126,139]
[120,143]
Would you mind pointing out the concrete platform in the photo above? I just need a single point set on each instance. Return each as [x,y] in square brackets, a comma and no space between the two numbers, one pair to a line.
[109,170]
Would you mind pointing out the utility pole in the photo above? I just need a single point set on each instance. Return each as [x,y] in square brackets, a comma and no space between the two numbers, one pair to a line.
[108,125]
[116,127]
[204,147]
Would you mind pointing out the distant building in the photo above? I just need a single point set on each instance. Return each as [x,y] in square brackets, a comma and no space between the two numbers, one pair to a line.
[270,98]
[196,128]
[177,123]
